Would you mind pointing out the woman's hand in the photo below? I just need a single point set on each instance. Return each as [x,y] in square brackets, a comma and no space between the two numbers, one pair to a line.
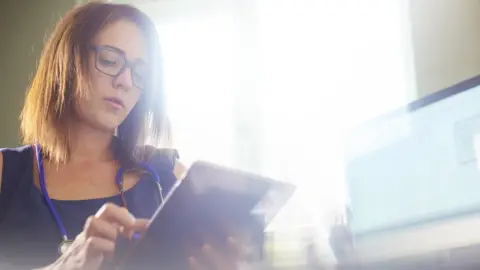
[97,241]
[215,257]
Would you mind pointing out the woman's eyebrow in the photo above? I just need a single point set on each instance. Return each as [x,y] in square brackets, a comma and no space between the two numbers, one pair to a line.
[122,52]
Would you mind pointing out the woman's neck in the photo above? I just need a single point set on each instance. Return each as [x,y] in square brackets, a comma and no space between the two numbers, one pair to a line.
[88,144]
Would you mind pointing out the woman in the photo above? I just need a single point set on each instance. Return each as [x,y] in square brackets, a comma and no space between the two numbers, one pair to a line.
[94,98]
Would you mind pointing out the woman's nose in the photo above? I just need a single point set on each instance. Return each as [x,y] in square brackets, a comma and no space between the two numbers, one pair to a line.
[124,80]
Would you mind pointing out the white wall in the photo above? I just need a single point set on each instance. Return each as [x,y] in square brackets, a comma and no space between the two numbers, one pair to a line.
[446,39]
[24,25]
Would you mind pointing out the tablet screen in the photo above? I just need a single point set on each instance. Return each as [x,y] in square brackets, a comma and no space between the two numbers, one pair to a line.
[207,205]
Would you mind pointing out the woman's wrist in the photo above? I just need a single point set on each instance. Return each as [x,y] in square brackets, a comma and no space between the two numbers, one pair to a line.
[59,264]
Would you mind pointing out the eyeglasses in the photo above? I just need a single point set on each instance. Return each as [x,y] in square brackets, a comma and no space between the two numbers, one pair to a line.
[111,61]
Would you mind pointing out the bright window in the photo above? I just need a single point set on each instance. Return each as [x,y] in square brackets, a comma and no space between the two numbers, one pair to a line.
[273,86]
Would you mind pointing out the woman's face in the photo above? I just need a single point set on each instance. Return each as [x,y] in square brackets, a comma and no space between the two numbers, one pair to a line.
[117,69]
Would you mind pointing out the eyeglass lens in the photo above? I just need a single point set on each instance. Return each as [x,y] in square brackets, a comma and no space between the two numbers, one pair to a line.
[112,63]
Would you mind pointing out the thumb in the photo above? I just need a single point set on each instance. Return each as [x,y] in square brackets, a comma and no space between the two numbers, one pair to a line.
[139,228]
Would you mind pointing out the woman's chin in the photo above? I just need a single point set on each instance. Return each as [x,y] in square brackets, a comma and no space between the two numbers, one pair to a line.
[106,127]
[108,123]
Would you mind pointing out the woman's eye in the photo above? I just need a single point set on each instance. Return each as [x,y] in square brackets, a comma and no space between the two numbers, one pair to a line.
[108,62]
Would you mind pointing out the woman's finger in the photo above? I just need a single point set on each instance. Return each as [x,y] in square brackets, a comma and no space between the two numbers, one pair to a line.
[138,229]
[235,248]
[116,214]
[127,224]
[98,247]
[235,238]
[100,228]
[195,264]
[214,257]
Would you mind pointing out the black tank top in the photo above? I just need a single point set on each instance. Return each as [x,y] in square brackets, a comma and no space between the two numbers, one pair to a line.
[29,236]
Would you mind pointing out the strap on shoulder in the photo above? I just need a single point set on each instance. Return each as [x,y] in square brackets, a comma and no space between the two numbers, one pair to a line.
[15,162]
[161,158]
[163,161]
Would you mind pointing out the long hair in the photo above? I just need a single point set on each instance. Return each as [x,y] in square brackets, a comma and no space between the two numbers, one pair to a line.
[62,78]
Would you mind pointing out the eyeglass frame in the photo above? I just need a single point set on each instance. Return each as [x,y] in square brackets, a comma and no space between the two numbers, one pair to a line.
[127,63]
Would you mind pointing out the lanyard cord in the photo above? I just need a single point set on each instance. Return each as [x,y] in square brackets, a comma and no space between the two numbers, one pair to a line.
[41,176]
[48,201]
[143,168]
[118,179]
[119,182]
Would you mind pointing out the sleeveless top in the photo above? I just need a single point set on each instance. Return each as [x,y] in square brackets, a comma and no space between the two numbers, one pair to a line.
[29,236]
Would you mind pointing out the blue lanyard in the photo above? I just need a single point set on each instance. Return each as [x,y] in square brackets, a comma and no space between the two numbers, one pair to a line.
[51,207]
[118,179]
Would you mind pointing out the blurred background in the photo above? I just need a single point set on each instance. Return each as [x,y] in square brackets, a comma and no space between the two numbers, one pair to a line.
[369,107]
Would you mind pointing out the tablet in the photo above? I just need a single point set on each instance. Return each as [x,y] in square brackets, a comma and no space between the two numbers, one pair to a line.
[211,203]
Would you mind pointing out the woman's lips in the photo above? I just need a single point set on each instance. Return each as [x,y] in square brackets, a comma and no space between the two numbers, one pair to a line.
[115,102]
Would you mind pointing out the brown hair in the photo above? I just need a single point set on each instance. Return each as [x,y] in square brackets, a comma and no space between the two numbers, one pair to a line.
[62,77]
